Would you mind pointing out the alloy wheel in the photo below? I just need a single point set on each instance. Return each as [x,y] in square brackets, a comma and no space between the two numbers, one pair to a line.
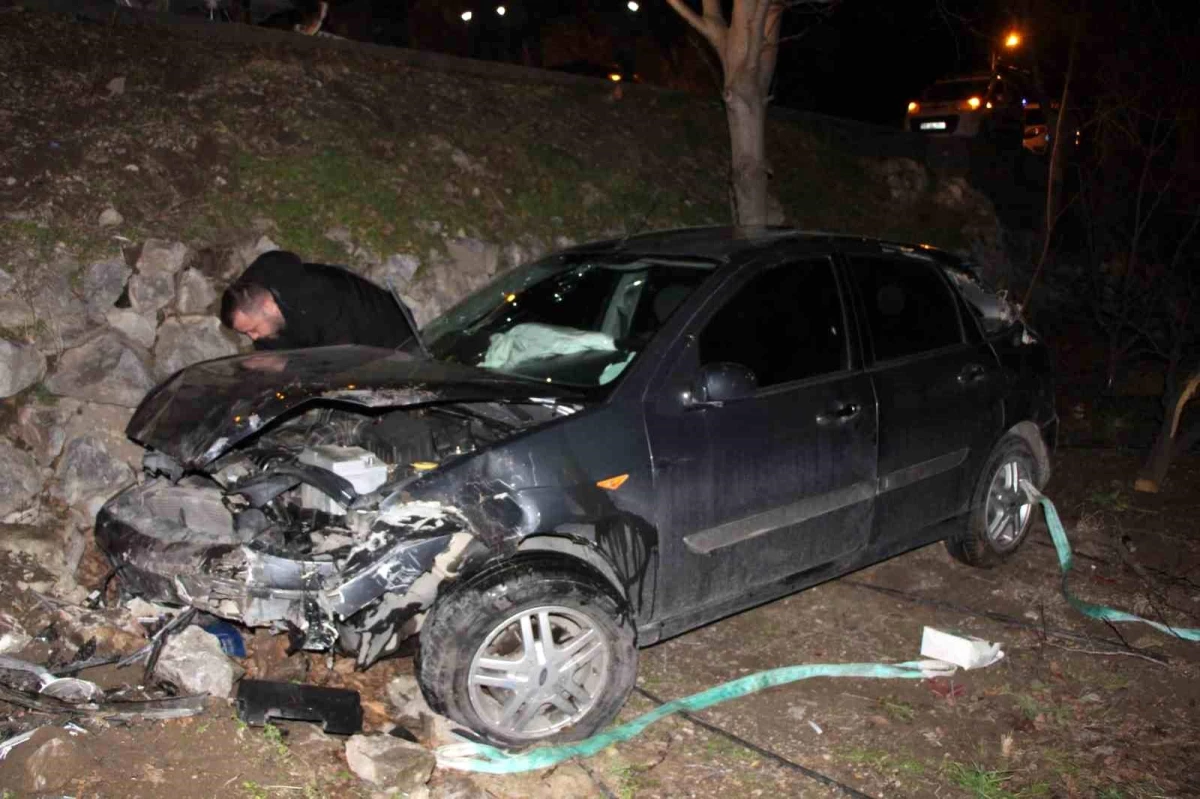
[539,671]
[1008,509]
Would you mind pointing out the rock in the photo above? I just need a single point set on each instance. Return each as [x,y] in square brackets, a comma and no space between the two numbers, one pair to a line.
[162,256]
[103,284]
[55,547]
[61,318]
[414,714]
[907,180]
[40,427]
[88,474]
[474,258]
[106,369]
[389,762]
[21,365]
[196,293]
[13,637]
[150,291]
[397,271]
[242,256]
[110,217]
[15,311]
[183,341]
[140,329]
[192,660]
[20,478]
[590,195]
[53,765]
[116,86]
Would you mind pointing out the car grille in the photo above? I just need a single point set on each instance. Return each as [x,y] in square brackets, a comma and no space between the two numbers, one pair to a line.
[951,121]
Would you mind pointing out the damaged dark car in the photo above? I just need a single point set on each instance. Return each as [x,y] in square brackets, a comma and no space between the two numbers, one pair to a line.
[599,450]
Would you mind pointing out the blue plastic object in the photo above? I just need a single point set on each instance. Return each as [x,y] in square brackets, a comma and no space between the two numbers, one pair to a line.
[231,640]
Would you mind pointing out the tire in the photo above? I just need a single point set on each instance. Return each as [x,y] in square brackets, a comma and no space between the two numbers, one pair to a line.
[476,640]
[1001,514]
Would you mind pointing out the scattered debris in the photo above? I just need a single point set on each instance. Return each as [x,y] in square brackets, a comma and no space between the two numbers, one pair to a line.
[8,745]
[193,661]
[67,689]
[13,637]
[968,652]
[338,710]
[231,640]
[389,762]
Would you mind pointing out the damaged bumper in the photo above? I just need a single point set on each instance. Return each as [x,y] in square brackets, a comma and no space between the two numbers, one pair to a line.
[365,588]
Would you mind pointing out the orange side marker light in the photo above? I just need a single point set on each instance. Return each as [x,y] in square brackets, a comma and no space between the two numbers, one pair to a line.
[613,483]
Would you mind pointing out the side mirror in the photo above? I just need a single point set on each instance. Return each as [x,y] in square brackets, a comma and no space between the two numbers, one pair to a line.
[719,383]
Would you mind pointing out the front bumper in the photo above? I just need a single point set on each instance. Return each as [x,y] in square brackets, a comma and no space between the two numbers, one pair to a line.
[174,545]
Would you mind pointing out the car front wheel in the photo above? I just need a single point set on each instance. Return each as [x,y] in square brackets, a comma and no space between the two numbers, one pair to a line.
[534,651]
[1001,513]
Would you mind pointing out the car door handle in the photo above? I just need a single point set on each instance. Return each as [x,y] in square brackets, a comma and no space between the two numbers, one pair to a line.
[839,414]
[971,373]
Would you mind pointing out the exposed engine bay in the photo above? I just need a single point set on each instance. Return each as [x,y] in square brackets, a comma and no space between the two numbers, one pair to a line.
[309,526]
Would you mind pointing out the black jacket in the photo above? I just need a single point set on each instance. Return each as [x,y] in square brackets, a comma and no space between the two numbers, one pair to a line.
[324,305]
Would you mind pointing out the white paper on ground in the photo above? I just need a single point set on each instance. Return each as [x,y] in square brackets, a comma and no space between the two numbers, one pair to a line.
[968,652]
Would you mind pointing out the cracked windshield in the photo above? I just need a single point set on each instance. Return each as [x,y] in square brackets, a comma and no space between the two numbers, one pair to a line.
[575,321]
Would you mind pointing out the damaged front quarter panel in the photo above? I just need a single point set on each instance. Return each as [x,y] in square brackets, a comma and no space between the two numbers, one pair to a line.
[178,543]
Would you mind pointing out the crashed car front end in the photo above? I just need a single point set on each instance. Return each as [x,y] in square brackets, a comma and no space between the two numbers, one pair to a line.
[318,521]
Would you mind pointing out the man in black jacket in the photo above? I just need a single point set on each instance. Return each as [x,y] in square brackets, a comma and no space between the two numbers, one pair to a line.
[280,302]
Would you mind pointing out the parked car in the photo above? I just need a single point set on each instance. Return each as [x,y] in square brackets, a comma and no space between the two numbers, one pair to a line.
[987,105]
[605,448]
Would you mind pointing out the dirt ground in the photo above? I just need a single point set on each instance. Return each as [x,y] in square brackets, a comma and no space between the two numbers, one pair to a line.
[1076,708]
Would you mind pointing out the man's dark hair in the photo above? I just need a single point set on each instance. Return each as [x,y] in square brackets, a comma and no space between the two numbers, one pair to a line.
[241,296]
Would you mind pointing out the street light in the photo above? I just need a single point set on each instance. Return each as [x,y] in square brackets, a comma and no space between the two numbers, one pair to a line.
[466,16]
[632,5]
[1012,40]
[501,10]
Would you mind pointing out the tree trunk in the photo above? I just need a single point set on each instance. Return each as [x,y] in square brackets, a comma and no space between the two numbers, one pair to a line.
[1155,468]
[746,112]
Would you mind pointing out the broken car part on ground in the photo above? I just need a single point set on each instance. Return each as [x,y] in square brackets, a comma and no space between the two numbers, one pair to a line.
[609,446]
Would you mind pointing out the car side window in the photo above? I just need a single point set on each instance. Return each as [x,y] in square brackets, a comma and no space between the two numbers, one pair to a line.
[909,308]
[785,324]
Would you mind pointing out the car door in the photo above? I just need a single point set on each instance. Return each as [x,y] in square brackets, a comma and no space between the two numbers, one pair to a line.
[781,480]
[937,388]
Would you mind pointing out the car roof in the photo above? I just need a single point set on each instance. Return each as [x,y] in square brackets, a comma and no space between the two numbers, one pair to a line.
[724,243]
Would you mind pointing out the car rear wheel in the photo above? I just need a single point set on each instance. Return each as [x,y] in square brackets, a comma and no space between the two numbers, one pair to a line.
[535,651]
[1001,513]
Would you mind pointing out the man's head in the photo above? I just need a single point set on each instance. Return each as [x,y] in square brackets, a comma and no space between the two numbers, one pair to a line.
[250,308]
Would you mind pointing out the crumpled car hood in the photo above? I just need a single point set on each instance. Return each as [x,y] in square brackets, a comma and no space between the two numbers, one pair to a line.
[205,409]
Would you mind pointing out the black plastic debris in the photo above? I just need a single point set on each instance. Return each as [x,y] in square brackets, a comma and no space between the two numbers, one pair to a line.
[338,710]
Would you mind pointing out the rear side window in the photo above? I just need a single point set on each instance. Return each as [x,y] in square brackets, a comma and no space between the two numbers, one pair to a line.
[909,308]
[785,324]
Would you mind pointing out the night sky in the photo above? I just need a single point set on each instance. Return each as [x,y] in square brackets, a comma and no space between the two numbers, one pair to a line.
[865,60]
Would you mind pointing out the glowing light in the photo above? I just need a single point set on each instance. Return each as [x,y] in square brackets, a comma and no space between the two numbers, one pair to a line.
[989,104]
[466,16]
[632,6]
[615,77]
[510,298]
[424,466]
[501,10]
[913,107]
[1012,40]
[613,483]
[974,102]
